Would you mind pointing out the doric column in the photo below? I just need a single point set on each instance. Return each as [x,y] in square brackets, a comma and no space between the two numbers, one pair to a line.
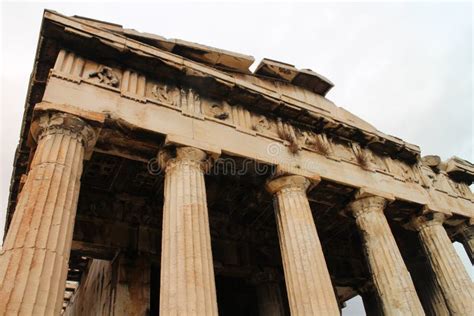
[389,274]
[308,283]
[35,255]
[187,272]
[466,237]
[269,296]
[449,272]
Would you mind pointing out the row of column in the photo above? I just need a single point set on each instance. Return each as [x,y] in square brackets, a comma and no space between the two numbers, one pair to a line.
[34,259]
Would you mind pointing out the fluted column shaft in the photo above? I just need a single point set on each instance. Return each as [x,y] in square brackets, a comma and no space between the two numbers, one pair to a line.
[308,283]
[389,274]
[449,272]
[35,255]
[187,273]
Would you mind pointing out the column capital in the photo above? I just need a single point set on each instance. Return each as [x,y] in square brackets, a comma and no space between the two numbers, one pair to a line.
[291,178]
[368,200]
[52,122]
[366,204]
[170,156]
[426,220]
[277,184]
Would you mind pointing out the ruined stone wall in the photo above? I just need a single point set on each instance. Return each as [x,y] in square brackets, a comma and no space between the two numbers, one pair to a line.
[94,296]
[121,287]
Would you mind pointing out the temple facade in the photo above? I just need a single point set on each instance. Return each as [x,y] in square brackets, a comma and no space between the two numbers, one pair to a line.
[158,176]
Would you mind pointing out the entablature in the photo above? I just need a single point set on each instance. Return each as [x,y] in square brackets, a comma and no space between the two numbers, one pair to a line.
[168,109]
[298,105]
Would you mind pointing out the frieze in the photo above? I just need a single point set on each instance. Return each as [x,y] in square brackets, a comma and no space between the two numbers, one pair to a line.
[191,103]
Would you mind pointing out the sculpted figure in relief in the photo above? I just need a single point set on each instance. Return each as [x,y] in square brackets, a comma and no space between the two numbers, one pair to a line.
[106,75]
[462,189]
[218,112]
[317,142]
[261,124]
[377,162]
[441,183]
[427,176]
[344,151]
[402,170]
[165,94]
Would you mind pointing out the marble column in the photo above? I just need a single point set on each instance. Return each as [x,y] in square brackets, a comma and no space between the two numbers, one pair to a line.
[448,270]
[308,283]
[389,274]
[187,272]
[269,298]
[35,254]
[466,237]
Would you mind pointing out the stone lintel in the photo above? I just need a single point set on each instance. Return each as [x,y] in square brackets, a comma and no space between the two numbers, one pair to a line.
[365,192]
[426,209]
[181,141]
[94,250]
[282,170]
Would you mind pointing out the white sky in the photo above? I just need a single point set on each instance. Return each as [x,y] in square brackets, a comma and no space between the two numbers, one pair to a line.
[406,67]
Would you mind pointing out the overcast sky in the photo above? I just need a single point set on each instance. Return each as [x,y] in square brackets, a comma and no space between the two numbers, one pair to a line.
[404,67]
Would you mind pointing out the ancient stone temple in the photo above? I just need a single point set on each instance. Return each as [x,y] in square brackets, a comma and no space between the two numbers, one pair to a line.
[158,176]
